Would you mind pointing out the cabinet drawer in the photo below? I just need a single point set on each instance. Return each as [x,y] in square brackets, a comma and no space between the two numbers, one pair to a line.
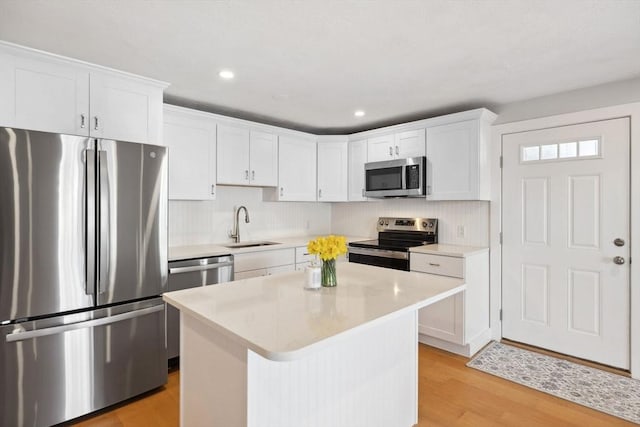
[263,259]
[303,255]
[437,264]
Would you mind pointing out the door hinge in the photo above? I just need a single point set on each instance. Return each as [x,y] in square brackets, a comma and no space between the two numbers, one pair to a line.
[500,162]
[501,314]
[501,237]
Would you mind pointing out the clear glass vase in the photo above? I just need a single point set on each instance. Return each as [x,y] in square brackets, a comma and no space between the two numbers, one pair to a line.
[328,273]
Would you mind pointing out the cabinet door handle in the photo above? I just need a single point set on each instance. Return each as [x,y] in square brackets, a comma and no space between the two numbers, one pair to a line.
[390,150]
[363,192]
[96,122]
[397,150]
[434,264]
[253,175]
[83,119]
[213,189]
[246,174]
[281,191]
[319,193]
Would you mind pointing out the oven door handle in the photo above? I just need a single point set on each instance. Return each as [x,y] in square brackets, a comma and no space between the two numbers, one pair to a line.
[382,253]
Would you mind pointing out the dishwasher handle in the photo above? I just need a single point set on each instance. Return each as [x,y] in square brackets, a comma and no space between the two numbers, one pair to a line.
[188,269]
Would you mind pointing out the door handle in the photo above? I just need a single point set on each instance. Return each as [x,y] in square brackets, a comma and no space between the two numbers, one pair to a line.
[618,242]
[246,174]
[391,151]
[253,175]
[213,189]
[618,260]
[104,221]
[397,151]
[320,193]
[82,120]
[192,268]
[281,191]
[19,335]
[90,222]
[96,122]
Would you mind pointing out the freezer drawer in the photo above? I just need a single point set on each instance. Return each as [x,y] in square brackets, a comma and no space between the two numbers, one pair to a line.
[60,368]
[192,273]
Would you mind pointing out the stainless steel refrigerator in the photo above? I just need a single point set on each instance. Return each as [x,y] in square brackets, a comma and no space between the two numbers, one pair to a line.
[83,260]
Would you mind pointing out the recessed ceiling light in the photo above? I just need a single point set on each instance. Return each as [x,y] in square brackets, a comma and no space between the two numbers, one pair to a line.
[359,113]
[226,74]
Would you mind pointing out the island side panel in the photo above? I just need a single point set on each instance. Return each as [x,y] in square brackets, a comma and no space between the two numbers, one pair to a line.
[213,377]
[367,379]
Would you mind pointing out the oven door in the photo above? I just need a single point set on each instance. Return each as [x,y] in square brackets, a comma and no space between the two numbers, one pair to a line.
[379,258]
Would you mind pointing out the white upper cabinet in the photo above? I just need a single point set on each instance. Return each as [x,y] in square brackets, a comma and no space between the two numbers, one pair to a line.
[49,96]
[397,146]
[191,140]
[247,157]
[233,155]
[263,159]
[457,166]
[357,159]
[381,148]
[409,144]
[124,109]
[332,171]
[296,170]
[54,94]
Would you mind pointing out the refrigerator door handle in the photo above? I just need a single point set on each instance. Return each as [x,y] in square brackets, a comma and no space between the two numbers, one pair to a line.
[104,220]
[21,335]
[90,221]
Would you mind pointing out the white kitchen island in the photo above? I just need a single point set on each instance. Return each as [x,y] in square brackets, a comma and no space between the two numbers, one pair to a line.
[266,352]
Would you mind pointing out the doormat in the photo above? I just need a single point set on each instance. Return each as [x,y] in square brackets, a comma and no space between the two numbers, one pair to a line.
[596,389]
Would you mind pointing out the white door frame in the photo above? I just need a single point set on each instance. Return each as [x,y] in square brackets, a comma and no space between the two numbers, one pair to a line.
[627,110]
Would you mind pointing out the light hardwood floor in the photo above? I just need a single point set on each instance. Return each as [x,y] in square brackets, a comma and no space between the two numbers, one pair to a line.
[450,394]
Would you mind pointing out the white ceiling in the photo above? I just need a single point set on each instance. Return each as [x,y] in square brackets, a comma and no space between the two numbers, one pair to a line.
[310,64]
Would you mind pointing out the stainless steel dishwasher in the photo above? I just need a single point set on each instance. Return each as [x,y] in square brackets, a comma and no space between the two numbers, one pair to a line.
[191,273]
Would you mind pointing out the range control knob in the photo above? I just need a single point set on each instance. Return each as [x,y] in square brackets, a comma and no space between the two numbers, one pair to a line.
[386,222]
[430,225]
[381,222]
[424,224]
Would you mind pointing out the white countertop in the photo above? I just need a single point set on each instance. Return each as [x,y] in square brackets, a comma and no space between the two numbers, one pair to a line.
[215,249]
[277,318]
[449,250]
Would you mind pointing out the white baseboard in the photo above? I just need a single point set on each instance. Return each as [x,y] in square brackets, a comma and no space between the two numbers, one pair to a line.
[466,350]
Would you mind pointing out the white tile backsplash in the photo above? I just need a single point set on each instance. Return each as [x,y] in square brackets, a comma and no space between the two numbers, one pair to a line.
[359,219]
[202,222]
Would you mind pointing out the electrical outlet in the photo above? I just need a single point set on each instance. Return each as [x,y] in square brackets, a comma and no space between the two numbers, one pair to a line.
[461,230]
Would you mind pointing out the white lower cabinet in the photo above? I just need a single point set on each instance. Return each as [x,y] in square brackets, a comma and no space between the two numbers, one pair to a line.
[263,263]
[460,323]
[303,258]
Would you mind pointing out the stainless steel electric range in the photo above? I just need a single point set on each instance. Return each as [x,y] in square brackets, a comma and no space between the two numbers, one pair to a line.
[395,237]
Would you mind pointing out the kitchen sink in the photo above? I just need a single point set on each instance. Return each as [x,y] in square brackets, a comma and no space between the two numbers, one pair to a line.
[249,244]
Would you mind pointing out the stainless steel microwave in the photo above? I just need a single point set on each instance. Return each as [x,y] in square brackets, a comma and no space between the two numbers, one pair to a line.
[396,178]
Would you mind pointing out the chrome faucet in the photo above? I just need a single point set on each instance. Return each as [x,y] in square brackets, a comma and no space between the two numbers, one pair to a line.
[235,234]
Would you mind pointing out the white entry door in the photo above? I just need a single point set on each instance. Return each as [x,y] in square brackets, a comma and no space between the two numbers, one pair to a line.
[565,252]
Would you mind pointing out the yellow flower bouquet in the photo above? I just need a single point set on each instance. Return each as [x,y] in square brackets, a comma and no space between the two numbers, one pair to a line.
[328,248]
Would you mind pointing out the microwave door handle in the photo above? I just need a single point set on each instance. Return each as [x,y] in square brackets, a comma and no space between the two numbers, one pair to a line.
[104,226]
[403,174]
[90,221]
